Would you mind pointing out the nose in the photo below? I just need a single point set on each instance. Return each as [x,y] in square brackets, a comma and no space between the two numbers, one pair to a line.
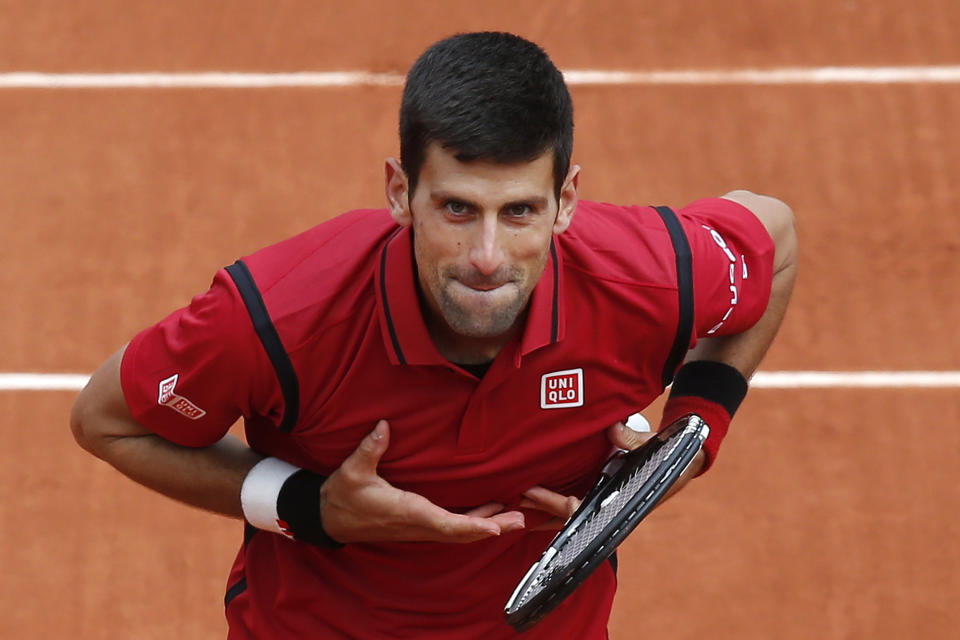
[486,253]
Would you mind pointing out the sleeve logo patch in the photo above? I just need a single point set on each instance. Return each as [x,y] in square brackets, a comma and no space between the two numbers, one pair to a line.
[561,389]
[168,398]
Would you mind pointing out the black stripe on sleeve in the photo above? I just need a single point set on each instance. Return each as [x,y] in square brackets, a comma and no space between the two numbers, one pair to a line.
[270,339]
[681,248]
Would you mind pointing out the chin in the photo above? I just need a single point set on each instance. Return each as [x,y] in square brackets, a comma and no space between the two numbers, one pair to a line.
[485,330]
[466,324]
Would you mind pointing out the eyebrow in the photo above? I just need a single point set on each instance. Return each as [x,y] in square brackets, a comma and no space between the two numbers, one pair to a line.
[538,202]
[534,201]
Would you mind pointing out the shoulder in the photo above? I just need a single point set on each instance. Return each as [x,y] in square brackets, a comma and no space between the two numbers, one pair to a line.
[735,213]
[343,241]
[727,222]
[622,243]
[325,273]
[632,245]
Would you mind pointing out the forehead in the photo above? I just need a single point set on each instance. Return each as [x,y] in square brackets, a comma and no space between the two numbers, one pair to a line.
[443,172]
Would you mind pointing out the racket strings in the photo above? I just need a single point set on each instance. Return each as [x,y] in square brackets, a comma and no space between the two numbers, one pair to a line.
[580,539]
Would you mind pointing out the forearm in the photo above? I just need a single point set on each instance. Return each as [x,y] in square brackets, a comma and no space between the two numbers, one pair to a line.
[742,351]
[207,477]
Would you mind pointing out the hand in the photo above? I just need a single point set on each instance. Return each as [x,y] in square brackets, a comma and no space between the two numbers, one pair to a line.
[562,507]
[357,505]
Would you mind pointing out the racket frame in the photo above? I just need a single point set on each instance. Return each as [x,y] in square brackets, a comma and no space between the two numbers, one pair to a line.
[617,470]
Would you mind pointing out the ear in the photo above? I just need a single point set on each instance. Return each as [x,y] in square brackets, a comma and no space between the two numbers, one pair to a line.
[397,192]
[568,200]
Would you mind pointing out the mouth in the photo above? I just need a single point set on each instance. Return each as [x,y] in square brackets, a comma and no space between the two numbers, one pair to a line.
[481,288]
[481,284]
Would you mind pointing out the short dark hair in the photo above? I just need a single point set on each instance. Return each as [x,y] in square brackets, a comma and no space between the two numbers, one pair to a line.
[491,96]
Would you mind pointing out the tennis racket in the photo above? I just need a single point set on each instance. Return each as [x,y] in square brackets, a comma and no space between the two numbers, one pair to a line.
[630,486]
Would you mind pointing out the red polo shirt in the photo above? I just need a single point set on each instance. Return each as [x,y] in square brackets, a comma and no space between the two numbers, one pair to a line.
[343,299]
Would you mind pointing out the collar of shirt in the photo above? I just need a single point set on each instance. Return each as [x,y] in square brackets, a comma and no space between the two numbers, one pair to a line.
[402,325]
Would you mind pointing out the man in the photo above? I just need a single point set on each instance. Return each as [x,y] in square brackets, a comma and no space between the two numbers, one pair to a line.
[427,390]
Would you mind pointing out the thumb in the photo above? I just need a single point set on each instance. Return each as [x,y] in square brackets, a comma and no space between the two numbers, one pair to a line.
[367,455]
[625,437]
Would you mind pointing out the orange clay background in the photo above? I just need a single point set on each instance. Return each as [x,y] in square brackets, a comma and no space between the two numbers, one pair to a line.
[831,513]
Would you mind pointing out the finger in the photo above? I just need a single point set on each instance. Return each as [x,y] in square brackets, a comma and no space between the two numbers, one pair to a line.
[549,501]
[628,437]
[485,510]
[558,522]
[470,527]
[463,528]
[366,456]
[509,521]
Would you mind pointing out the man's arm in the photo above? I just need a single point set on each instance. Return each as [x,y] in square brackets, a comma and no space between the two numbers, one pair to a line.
[205,477]
[744,351]
[358,505]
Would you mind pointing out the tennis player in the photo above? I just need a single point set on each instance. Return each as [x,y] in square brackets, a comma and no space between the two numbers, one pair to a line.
[426,387]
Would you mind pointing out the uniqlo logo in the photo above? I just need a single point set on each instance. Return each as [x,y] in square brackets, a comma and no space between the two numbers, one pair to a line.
[168,398]
[166,388]
[561,389]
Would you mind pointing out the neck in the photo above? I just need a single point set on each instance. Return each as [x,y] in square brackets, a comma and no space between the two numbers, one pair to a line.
[467,349]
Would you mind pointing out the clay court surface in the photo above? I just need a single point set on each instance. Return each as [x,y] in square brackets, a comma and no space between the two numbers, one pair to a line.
[831,513]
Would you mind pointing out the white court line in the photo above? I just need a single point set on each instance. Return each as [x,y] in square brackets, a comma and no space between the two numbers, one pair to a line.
[325,79]
[787,75]
[200,80]
[864,379]
[43,381]
[761,380]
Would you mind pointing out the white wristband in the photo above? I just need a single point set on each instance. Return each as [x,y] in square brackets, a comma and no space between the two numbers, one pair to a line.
[259,493]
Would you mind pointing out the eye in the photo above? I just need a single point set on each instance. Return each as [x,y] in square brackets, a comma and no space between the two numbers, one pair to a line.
[519,210]
[456,208]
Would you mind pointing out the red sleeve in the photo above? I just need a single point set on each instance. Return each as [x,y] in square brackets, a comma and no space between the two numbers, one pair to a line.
[732,266]
[192,375]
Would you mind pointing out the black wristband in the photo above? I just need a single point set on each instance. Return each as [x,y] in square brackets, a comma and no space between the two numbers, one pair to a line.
[713,381]
[298,506]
